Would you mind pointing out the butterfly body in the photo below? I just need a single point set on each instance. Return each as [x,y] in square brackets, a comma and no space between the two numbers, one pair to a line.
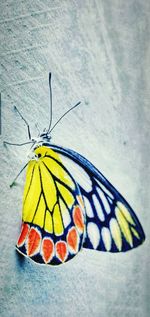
[68,204]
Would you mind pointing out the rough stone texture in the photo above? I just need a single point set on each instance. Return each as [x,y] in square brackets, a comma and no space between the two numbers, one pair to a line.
[98,52]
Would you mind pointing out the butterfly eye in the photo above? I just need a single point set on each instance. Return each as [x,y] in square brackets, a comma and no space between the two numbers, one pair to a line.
[37,156]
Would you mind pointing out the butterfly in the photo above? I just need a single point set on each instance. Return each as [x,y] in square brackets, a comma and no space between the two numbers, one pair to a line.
[69,205]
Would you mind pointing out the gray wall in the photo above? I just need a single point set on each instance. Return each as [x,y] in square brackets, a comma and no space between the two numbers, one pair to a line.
[98,53]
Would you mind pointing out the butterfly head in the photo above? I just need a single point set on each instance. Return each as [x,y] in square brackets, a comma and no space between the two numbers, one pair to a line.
[45,137]
[42,138]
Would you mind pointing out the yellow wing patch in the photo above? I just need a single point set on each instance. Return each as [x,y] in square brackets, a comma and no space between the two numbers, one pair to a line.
[48,186]
[69,198]
[32,193]
[124,226]
[29,176]
[40,213]
[126,213]
[58,172]
[46,182]
[48,222]
[58,226]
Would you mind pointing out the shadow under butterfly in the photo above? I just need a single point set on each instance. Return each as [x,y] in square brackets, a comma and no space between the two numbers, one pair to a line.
[69,205]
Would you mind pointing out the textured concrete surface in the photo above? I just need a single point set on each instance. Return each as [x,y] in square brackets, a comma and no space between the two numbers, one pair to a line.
[98,52]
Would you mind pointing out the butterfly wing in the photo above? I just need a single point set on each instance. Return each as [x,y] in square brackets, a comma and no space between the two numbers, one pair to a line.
[53,215]
[111,224]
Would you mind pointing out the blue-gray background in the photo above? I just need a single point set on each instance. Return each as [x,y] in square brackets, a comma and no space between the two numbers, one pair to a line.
[98,52]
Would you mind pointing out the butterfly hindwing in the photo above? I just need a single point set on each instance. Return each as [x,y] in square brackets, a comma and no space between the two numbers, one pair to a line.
[53,215]
[111,224]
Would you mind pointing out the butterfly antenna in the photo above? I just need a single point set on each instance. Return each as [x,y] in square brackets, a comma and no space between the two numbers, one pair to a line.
[50,112]
[77,104]
[37,127]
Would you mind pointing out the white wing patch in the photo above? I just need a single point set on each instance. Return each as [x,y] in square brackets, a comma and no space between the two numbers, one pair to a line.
[98,208]
[104,200]
[88,207]
[79,174]
[93,234]
[106,191]
[65,213]
[106,238]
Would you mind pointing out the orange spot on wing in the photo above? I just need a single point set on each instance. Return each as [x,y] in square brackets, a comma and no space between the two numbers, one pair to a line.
[73,239]
[78,218]
[61,250]
[47,249]
[23,235]
[33,244]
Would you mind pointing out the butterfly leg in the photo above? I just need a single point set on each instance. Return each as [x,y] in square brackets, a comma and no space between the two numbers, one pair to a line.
[29,133]
[14,181]
[17,144]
